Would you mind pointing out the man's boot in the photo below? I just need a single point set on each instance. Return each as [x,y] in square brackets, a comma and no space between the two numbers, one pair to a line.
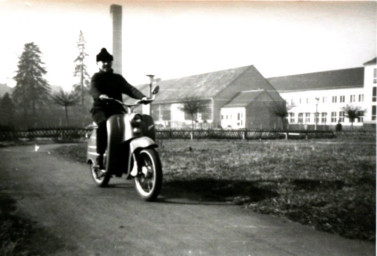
[99,162]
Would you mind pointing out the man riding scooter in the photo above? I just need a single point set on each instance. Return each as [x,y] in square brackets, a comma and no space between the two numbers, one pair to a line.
[107,84]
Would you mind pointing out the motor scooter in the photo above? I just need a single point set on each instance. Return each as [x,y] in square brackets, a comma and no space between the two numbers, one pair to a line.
[131,150]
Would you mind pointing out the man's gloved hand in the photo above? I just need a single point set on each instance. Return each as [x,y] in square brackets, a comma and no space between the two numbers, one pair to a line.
[103,97]
[145,100]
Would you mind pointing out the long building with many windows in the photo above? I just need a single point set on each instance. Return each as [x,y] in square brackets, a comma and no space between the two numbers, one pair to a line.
[318,99]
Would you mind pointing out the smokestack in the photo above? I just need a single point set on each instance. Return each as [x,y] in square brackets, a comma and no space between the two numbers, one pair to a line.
[116,14]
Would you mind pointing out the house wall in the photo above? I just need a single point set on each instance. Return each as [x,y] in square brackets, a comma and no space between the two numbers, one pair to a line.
[330,103]
[171,115]
[260,114]
[370,83]
[233,118]
[250,79]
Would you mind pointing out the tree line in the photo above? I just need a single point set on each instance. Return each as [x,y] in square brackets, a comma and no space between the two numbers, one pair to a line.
[33,103]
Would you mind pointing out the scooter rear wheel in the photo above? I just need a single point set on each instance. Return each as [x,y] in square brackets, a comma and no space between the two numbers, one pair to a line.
[100,177]
[148,182]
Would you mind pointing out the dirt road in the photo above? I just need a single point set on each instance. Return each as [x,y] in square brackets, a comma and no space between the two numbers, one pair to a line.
[87,220]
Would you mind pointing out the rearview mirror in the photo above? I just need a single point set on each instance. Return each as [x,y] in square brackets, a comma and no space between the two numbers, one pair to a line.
[156,90]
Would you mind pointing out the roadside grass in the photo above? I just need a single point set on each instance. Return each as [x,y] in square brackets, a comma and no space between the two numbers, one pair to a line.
[20,236]
[327,184]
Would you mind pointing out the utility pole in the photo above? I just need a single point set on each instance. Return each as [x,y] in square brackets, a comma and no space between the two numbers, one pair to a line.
[150,84]
[147,108]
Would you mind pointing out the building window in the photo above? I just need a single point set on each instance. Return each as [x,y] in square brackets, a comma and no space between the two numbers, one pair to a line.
[352,98]
[300,118]
[361,97]
[333,117]
[373,112]
[341,116]
[342,98]
[291,117]
[324,99]
[375,75]
[374,95]
[324,117]
[334,99]
[307,118]
[307,100]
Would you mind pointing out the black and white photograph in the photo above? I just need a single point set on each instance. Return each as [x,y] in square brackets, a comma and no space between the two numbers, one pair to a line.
[188,128]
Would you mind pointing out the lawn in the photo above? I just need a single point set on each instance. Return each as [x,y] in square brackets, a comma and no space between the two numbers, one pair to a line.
[327,184]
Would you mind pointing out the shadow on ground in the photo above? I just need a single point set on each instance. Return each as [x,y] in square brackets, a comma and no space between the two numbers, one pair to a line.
[211,190]
[241,191]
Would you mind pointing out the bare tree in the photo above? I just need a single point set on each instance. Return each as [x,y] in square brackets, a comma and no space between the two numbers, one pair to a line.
[192,106]
[66,99]
[281,109]
[353,113]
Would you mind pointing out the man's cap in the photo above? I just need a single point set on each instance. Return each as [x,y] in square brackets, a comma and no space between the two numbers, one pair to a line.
[104,55]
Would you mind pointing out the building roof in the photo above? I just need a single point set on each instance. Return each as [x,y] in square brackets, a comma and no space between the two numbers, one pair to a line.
[371,62]
[335,79]
[204,86]
[244,98]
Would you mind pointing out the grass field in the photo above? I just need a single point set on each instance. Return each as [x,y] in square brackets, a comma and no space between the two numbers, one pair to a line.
[327,184]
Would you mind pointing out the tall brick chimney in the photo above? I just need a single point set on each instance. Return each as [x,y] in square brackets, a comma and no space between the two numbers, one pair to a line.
[116,14]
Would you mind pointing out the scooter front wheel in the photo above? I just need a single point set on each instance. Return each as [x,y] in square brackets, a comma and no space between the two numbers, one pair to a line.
[149,180]
[100,177]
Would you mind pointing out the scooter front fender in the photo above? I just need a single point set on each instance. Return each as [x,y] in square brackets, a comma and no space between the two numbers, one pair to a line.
[137,144]
[140,143]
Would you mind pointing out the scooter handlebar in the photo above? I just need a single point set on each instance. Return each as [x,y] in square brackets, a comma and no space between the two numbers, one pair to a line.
[144,100]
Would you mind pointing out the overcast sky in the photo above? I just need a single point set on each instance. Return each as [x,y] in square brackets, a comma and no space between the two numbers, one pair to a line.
[174,39]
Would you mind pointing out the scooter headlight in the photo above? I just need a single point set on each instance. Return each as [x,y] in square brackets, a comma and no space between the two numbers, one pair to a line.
[136,121]
[136,130]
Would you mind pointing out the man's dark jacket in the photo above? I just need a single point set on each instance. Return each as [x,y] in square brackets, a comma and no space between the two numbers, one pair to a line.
[112,85]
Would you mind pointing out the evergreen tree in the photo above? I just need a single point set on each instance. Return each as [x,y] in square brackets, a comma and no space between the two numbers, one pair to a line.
[31,90]
[7,111]
[81,72]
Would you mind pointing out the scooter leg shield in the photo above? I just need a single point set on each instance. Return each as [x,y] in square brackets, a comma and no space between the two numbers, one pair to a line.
[115,131]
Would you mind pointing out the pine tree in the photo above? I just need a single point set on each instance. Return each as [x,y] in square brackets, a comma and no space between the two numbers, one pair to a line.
[81,70]
[7,111]
[31,90]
